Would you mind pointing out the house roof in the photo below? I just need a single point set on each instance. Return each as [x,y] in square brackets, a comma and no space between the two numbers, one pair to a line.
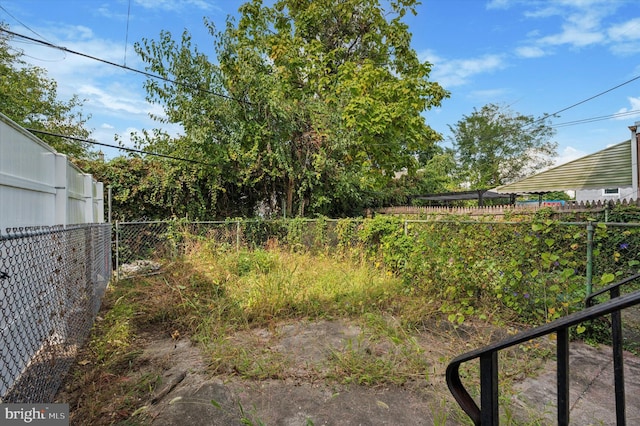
[608,168]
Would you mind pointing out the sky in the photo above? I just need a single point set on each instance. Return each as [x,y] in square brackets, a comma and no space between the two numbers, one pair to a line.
[534,57]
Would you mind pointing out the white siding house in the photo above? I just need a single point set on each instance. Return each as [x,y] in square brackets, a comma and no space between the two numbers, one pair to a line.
[607,175]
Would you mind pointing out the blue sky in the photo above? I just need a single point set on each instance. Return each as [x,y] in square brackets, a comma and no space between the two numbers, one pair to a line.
[537,57]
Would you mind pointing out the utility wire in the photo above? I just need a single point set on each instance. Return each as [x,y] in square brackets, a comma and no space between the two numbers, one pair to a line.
[600,118]
[20,22]
[138,151]
[588,99]
[124,67]
[148,74]
[155,76]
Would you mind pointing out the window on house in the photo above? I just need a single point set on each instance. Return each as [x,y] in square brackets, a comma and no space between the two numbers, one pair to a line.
[611,191]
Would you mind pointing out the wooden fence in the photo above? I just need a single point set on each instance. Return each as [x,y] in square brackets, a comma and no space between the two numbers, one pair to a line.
[496,211]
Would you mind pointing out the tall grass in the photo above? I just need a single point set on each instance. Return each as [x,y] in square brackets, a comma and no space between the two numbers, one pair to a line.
[258,287]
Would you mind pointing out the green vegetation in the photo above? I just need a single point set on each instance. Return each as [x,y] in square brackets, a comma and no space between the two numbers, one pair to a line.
[405,286]
[293,116]
[30,98]
[494,146]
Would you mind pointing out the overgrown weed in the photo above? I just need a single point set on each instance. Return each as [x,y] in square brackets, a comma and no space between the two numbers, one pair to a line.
[215,291]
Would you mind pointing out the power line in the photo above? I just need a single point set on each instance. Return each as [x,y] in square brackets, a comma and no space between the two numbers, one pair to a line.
[588,99]
[138,151]
[124,67]
[20,22]
[155,76]
[600,118]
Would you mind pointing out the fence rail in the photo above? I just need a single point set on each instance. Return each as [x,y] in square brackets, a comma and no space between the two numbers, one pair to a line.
[51,283]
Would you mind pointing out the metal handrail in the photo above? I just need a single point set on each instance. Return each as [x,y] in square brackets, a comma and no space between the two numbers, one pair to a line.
[613,289]
[488,413]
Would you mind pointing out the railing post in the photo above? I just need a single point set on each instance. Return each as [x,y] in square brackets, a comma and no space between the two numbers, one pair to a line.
[489,412]
[589,257]
[563,375]
[618,361]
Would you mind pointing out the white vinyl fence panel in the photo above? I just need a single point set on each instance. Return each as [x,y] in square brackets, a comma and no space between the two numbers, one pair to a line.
[41,187]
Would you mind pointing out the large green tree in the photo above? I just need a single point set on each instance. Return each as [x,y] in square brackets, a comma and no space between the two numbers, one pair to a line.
[30,98]
[311,105]
[495,146]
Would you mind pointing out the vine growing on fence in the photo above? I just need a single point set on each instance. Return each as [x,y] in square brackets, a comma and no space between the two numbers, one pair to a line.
[527,271]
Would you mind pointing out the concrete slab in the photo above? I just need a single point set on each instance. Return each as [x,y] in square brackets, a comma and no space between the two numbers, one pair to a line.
[190,396]
[591,389]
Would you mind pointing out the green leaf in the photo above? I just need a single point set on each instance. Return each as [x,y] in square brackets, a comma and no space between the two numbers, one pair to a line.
[537,227]
[607,278]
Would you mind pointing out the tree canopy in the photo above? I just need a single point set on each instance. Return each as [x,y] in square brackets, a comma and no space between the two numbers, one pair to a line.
[30,98]
[494,146]
[310,105]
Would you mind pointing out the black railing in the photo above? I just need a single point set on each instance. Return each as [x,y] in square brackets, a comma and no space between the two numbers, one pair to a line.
[488,412]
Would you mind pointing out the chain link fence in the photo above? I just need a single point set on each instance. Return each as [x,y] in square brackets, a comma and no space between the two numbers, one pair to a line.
[52,280]
[140,246]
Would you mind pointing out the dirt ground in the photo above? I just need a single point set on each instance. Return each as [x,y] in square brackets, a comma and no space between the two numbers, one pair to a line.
[189,394]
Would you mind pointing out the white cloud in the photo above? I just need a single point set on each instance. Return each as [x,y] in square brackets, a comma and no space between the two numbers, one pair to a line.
[583,24]
[625,37]
[629,30]
[625,49]
[113,101]
[573,36]
[64,66]
[627,113]
[579,30]
[457,72]
[173,5]
[544,12]
[106,12]
[530,52]
[498,4]
[568,154]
